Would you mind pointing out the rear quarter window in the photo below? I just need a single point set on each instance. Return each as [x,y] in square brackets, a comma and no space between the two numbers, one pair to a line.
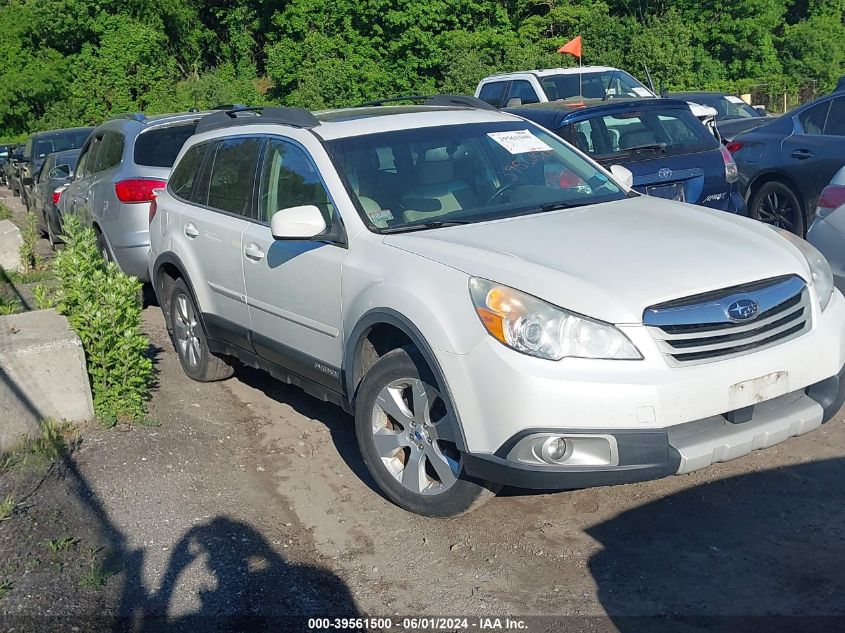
[185,174]
[159,147]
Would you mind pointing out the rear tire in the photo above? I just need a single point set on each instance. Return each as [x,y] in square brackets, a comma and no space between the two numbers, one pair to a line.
[775,203]
[189,338]
[406,433]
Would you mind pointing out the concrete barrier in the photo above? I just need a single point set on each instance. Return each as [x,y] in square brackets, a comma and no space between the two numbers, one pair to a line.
[42,375]
[10,244]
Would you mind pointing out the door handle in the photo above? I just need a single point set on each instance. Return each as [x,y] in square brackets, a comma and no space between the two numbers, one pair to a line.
[253,252]
[802,154]
[191,230]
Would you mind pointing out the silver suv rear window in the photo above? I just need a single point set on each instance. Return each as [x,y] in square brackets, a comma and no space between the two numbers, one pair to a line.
[159,146]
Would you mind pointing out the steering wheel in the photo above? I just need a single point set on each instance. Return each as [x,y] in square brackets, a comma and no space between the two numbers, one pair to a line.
[507,187]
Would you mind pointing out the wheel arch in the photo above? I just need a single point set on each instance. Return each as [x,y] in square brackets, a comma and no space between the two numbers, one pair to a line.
[382,330]
[168,266]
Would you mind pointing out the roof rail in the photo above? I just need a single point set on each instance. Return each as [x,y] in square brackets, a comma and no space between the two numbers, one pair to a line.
[460,101]
[293,117]
[135,116]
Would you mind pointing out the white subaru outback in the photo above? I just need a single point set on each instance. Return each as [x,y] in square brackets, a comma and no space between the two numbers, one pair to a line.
[494,307]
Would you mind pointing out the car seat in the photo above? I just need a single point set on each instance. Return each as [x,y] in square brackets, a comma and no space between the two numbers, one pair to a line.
[435,180]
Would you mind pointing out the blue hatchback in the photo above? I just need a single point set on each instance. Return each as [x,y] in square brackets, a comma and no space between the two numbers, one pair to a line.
[669,152]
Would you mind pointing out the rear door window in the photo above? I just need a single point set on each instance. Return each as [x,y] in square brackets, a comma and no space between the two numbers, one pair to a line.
[111,151]
[641,135]
[159,146]
[836,118]
[88,158]
[492,92]
[813,119]
[232,176]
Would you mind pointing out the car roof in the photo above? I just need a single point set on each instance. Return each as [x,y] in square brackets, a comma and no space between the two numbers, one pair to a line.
[552,114]
[575,70]
[62,131]
[697,93]
[349,122]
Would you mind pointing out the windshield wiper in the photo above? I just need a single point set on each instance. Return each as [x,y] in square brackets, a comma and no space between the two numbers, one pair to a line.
[557,206]
[433,224]
[650,147]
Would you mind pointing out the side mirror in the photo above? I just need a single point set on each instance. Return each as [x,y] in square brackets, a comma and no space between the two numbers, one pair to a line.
[761,109]
[18,157]
[623,175]
[297,223]
[514,102]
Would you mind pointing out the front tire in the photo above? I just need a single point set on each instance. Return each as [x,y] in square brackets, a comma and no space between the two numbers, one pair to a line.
[189,338]
[407,435]
[775,203]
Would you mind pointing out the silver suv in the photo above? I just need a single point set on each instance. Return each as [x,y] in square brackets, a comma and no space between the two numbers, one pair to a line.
[494,307]
[120,165]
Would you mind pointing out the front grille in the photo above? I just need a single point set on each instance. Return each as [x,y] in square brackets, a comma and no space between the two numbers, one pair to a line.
[698,329]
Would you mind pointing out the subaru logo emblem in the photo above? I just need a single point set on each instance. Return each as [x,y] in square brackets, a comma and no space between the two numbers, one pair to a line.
[743,310]
[665,173]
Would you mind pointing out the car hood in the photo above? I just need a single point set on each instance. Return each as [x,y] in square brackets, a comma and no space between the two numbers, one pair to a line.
[611,261]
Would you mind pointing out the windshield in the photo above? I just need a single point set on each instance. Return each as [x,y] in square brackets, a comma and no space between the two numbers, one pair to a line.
[59,142]
[420,178]
[640,135]
[593,85]
[730,107]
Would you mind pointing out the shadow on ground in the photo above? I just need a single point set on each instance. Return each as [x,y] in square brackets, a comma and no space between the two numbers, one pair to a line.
[340,424]
[255,589]
[709,551]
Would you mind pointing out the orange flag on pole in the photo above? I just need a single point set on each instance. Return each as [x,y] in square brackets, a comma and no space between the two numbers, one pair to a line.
[573,47]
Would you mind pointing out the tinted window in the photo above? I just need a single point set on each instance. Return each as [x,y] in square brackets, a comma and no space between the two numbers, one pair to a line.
[27,151]
[289,179]
[836,118]
[233,175]
[593,85]
[812,119]
[45,169]
[185,174]
[88,158]
[492,92]
[111,151]
[521,89]
[159,147]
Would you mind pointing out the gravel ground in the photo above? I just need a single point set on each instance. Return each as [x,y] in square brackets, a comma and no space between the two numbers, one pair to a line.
[250,499]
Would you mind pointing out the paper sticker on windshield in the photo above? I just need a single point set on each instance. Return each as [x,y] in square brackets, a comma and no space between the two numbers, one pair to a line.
[519,142]
[381,216]
[734,99]
[641,91]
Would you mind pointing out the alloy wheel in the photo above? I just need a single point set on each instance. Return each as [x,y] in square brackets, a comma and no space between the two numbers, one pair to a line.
[185,327]
[413,436]
[776,208]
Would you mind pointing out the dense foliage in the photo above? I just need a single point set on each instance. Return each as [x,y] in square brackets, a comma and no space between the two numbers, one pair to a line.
[103,307]
[68,62]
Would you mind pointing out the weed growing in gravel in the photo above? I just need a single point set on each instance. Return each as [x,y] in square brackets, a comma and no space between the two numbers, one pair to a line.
[58,545]
[103,307]
[7,507]
[5,586]
[29,237]
[98,575]
[5,212]
[43,297]
[29,277]
[37,451]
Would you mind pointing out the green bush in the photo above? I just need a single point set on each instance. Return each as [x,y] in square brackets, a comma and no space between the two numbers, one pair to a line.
[29,238]
[103,307]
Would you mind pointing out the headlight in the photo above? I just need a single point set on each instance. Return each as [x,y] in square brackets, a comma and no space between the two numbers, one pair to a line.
[819,268]
[537,328]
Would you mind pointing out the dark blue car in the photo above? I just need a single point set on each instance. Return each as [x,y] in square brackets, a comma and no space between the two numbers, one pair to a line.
[670,153]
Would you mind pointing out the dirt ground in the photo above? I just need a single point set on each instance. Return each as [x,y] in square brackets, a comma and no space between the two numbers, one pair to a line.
[249,500]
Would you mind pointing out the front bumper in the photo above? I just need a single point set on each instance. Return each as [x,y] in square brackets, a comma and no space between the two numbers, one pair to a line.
[656,453]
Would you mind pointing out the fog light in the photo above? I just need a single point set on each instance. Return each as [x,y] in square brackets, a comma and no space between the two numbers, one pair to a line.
[553,449]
